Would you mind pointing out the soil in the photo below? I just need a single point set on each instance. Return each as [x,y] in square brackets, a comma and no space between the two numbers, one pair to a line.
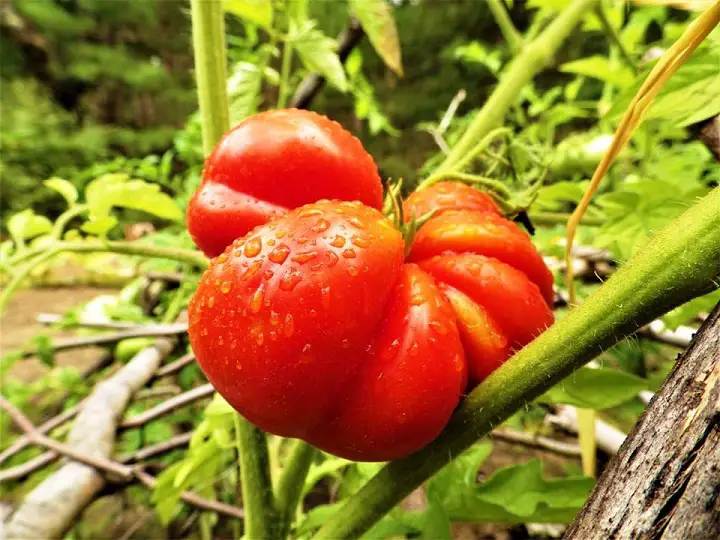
[19,325]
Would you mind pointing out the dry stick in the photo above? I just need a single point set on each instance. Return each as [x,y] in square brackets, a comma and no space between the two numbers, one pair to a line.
[28,467]
[55,318]
[314,82]
[155,449]
[206,390]
[154,330]
[62,496]
[177,365]
[537,441]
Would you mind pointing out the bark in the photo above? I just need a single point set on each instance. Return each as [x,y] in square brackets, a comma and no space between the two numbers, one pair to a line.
[665,481]
[50,509]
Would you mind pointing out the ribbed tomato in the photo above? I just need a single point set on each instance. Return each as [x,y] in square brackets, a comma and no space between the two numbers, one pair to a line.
[272,162]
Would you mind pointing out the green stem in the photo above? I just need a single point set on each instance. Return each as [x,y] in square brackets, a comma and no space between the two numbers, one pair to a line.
[680,263]
[285,75]
[66,217]
[291,483]
[21,275]
[208,27]
[189,256]
[488,183]
[613,36]
[260,514]
[558,218]
[513,38]
[536,55]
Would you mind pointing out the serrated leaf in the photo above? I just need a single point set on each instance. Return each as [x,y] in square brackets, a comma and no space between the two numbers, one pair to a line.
[258,12]
[318,53]
[600,67]
[27,224]
[689,96]
[64,188]
[553,197]
[595,388]
[244,87]
[110,190]
[377,21]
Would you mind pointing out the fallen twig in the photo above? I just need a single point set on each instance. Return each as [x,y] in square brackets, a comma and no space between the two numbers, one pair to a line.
[537,441]
[177,365]
[170,405]
[28,467]
[155,449]
[55,318]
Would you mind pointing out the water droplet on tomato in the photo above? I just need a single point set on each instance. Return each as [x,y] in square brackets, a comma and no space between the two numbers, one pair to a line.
[279,254]
[475,269]
[221,340]
[251,271]
[345,344]
[309,212]
[268,274]
[259,338]
[274,318]
[222,258]
[280,233]
[273,335]
[349,254]
[391,351]
[303,257]
[338,241]
[417,299]
[271,242]
[289,326]
[204,332]
[360,242]
[413,349]
[225,287]
[321,225]
[303,240]
[352,271]
[211,301]
[257,299]
[357,222]
[306,348]
[253,247]
[325,297]
[332,259]
[290,280]
[438,327]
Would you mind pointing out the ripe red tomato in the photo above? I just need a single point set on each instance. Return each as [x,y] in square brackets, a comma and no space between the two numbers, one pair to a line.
[448,196]
[312,327]
[272,162]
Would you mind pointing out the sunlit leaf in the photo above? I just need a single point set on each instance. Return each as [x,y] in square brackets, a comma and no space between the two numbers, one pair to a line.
[595,388]
[377,21]
[27,224]
[244,87]
[258,12]
[112,190]
[64,188]
[600,67]
[318,53]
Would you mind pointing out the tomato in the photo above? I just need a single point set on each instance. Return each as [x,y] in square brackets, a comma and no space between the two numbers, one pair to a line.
[311,326]
[272,162]
[314,326]
[445,196]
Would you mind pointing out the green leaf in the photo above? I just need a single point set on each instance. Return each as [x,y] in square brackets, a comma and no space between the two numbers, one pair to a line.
[244,87]
[600,67]
[688,311]
[689,96]
[27,224]
[457,480]
[64,188]
[379,25]
[44,350]
[112,190]
[555,196]
[99,226]
[298,9]
[595,388]
[436,523]
[258,12]
[318,53]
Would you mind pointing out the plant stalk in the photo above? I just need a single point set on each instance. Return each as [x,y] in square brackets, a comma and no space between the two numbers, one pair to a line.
[284,92]
[208,28]
[680,263]
[613,36]
[536,55]
[291,483]
[513,38]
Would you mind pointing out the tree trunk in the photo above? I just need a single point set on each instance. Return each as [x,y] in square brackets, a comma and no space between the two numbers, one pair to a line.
[665,481]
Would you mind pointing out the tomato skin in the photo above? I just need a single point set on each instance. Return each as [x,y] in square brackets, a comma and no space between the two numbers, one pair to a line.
[445,196]
[463,231]
[272,162]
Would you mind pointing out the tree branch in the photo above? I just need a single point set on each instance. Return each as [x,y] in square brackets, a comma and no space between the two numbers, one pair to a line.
[186,398]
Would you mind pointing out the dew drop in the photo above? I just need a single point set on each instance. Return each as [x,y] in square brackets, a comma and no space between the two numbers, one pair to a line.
[325,297]
[413,349]
[352,271]
[417,299]
[271,242]
[204,332]
[438,327]
[225,287]
[391,351]
[290,280]
[303,257]
[211,301]
[475,269]
[253,247]
[221,340]
[357,222]
[257,299]
[349,254]
[260,338]
[309,212]
[302,240]
[315,267]
[306,348]
[222,258]
[289,326]
[279,254]
[251,271]
[345,344]
[360,242]
[321,225]
[274,318]
[268,274]
[280,233]
[273,335]
[338,241]
[312,313]
[332,259]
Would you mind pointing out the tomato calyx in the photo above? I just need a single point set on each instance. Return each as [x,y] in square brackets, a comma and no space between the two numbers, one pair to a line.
[394,211]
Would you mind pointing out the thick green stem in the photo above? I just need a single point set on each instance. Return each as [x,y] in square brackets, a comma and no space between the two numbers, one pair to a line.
[292,481]
[260,515]
[208,27]
[558,218]
[536,55]
[513,38]
[681,262]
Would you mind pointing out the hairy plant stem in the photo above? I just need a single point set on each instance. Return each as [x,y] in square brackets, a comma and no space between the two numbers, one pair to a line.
[680,263]
[284,91]
[535,56]
[208,29]
[290,485]
[513,38]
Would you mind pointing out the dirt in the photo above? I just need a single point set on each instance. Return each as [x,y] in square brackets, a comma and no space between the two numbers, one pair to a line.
[19,325]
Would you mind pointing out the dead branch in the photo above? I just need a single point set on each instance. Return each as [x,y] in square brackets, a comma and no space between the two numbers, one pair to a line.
[664,482]
[156,392]
[156,449]
[154,330]
[537,441]
[28,467]
[64,494]
[168,406]
[177,365]
[55,318]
